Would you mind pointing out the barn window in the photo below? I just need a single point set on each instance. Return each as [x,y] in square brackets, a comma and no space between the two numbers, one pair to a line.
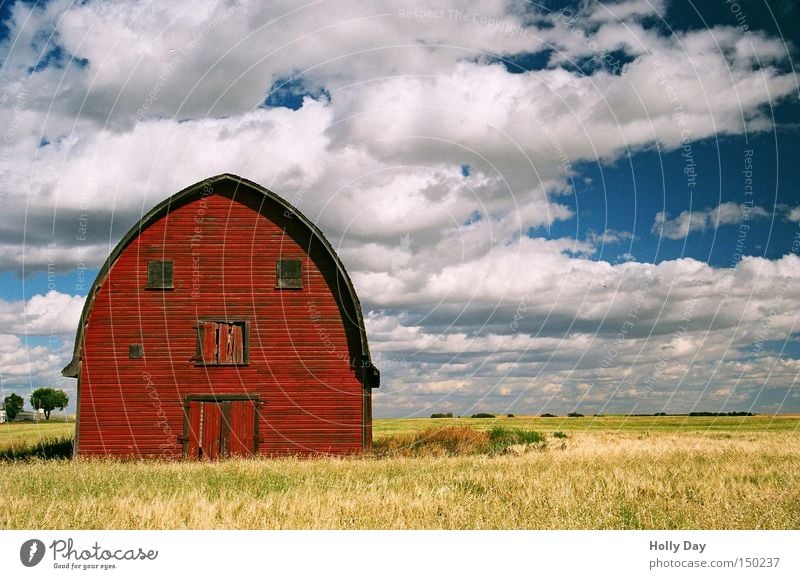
[135,351]
[222,342]
[159,274]
[289,274]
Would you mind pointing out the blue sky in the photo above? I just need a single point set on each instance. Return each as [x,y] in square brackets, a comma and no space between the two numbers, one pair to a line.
[519,190]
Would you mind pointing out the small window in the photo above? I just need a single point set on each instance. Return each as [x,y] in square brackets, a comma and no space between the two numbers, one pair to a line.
[222,342]
[159,274]
[135,351]
[289,274]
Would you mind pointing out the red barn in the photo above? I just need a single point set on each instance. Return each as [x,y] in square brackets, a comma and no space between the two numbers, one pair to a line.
[222,324]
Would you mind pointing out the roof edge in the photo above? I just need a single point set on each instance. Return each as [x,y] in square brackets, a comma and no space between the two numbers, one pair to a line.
[72,369]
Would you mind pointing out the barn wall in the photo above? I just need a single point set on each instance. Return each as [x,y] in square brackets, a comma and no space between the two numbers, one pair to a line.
[300,348]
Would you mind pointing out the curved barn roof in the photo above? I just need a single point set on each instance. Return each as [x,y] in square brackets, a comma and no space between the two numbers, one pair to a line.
[163,208]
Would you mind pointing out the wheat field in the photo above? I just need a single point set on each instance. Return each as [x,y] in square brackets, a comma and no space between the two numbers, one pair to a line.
[588,480]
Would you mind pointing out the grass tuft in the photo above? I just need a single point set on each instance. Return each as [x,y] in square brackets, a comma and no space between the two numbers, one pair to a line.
[503,440]
[458,441]
[47,448]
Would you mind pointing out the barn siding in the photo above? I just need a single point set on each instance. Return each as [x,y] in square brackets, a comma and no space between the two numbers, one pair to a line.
[300,342]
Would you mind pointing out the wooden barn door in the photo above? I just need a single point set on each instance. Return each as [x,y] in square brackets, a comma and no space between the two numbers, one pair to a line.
[220,428]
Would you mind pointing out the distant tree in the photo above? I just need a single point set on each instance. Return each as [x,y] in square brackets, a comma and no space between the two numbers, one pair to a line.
[575,415]
[12,404]
[48,399]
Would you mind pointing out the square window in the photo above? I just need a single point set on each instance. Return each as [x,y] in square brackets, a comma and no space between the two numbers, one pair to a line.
[222,342]
[159,275]
[289,274]
[135,351]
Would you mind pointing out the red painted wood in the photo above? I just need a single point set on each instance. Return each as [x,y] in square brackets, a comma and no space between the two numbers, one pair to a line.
[224,254]
[208,332]
[211,430]
[242,428]
[195,411]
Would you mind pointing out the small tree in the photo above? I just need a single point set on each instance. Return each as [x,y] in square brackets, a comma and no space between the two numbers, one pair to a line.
[47,399]
[12,404]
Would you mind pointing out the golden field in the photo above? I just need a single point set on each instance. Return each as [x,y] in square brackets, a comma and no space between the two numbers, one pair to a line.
[743,476]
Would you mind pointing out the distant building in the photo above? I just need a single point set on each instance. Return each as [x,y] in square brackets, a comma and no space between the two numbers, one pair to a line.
[29,416]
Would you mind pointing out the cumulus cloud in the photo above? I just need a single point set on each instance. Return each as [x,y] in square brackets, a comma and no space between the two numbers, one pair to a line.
[37,341]
[469,293]
[608,236]
[646,338]
[167,95]
[729,213]
[51,314]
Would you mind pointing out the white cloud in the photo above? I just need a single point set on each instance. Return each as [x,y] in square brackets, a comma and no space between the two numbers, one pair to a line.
[664,334]
[625,10]
[729,213]
[24,365]
[159,96]
[608,236]
[51,314]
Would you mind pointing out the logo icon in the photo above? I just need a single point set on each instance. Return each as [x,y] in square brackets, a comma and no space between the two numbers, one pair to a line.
[31,553]
[401,254]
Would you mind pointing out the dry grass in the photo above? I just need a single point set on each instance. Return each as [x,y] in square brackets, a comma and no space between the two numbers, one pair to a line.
[612,423]
[606,480]
[21,435]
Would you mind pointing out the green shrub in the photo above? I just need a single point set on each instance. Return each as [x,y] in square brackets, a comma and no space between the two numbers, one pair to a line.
[450,441]
[483,415]
[456,441]
[48,448]
[559,434]
[501,439]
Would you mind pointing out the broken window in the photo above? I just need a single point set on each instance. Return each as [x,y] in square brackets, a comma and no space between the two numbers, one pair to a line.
[289,274]
[159,274]
[222,342]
